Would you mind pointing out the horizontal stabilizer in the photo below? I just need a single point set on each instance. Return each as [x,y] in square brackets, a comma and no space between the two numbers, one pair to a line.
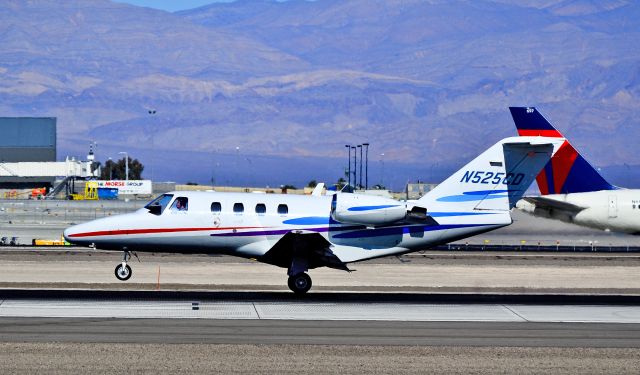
[496,179]
[549,204]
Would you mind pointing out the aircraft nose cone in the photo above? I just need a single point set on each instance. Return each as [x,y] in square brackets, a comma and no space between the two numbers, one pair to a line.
[75,234]
[66,234]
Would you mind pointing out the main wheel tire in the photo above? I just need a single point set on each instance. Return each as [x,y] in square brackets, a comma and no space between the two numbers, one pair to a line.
[300,283]
[123,273]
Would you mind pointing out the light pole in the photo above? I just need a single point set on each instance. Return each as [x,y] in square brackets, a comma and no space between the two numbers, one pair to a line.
[110,169]
[126,165]
[152,112]
[366,167]
[355,165]
[360,183]
[382,161]
[349,164]
[213,165]
[238,166]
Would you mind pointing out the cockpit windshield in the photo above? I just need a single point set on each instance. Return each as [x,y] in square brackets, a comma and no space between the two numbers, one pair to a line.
[158,205]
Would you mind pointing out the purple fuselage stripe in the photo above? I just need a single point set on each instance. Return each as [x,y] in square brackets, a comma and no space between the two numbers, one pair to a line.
[357,231]
[266,232]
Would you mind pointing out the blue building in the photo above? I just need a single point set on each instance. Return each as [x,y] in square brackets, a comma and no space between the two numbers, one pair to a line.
[30,139]
[27,139]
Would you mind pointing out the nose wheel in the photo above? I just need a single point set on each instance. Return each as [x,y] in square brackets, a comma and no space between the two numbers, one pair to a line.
[300,283]
[123,271]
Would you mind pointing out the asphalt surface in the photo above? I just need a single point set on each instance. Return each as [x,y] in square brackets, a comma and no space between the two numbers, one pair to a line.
[268,332]
[152,346]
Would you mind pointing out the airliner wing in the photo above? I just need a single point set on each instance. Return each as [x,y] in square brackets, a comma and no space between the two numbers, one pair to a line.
[314,249]
[547,203]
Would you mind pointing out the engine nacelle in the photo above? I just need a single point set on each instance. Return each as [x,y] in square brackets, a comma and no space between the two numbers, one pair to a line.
[366,209]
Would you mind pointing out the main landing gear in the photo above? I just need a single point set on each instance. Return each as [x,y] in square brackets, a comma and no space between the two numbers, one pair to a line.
[123,271]
[299,283]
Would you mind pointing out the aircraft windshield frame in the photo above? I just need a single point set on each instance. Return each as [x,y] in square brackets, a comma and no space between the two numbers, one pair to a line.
[161,201]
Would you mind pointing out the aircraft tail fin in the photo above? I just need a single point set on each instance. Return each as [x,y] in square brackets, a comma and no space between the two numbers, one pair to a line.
[496,179]
[567,171]
[317,191]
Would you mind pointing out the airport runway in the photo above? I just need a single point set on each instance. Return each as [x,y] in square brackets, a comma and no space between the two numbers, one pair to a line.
[76,331]
[231,336]
[333,308]
[330,319]
[323,332]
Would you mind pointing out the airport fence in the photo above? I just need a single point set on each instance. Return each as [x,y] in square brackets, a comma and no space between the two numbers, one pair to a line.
[582,248]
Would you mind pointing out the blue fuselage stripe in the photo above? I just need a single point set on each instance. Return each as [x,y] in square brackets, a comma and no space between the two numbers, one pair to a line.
[353,231]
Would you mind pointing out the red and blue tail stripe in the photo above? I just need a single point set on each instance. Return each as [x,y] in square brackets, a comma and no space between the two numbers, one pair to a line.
[567,171]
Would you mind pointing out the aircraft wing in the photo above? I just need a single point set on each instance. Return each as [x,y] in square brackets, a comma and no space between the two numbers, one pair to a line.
[311,247]
[547,203]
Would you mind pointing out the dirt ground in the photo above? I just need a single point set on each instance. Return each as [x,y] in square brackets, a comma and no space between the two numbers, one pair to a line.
[97,358]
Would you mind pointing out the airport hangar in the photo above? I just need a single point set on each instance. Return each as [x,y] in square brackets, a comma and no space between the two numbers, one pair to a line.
[28,154]
[26,139]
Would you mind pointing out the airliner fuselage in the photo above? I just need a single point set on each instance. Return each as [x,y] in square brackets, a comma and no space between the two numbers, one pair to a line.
[612,210]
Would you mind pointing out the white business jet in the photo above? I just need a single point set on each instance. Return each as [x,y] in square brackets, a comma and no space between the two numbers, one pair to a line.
[300,233]
[571,189]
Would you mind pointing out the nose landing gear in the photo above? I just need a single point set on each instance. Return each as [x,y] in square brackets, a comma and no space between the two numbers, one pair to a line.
[123,272]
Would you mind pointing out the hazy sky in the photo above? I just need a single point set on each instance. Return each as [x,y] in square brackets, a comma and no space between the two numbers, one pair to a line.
[171,5]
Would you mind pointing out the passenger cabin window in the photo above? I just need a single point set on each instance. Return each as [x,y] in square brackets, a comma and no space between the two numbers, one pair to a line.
[238,208]
[158,205]
[283,209]
[180,204]
[261,208]
[216,207]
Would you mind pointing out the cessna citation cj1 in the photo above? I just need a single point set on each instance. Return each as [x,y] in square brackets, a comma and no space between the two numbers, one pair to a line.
[305,232]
